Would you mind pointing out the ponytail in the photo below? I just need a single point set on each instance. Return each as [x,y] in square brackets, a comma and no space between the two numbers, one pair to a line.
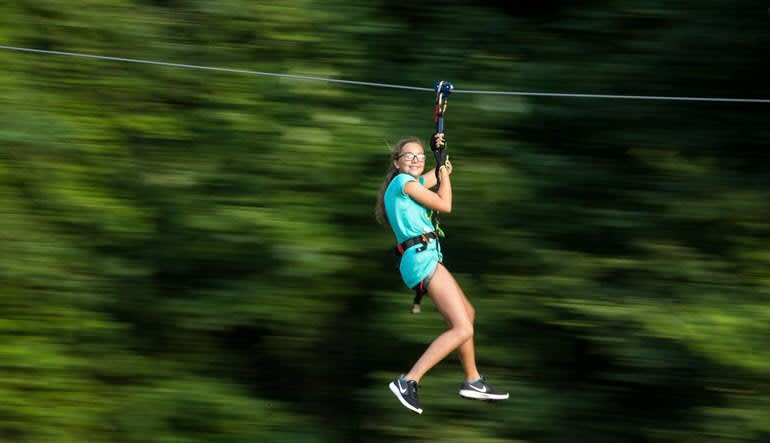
[379,210]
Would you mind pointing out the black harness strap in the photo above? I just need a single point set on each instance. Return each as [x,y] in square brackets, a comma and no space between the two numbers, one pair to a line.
[424,239]
[443,89]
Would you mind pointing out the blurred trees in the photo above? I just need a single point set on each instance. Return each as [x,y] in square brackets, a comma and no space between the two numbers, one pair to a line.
[191,256]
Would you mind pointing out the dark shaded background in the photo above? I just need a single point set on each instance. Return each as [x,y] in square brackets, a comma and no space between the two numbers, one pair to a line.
[191,256]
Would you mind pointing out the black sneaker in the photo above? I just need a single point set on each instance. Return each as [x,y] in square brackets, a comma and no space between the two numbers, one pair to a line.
[406,392]
[481,390]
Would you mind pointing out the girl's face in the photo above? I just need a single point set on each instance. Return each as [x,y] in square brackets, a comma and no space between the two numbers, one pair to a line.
[411,159]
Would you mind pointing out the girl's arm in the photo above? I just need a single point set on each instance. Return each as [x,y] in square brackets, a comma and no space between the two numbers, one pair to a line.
[429,178]
[441,200]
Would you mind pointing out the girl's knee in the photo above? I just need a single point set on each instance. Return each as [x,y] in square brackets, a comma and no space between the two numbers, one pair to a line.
[465,332]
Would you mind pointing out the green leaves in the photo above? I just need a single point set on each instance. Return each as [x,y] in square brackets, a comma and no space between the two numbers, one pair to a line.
[191,256]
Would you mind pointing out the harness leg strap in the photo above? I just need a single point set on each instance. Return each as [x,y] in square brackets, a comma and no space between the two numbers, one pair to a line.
[420,290]
[416,303]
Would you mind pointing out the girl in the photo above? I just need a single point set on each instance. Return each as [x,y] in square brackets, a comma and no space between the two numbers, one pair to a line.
[404,202]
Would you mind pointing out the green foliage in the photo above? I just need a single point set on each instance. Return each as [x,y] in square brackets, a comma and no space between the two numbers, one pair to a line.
[191,256]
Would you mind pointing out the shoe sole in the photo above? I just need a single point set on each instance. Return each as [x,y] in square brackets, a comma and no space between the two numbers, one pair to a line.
[482,395]
[394,389]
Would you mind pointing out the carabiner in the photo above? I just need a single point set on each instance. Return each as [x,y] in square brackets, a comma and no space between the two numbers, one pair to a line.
[443,89]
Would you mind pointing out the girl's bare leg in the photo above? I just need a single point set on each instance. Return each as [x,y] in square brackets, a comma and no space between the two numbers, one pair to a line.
[454,307]
[466,351]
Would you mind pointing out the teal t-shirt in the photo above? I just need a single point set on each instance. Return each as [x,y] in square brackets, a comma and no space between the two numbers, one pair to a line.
[409,219]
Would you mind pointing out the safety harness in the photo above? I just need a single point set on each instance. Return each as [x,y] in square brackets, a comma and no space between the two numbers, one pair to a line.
[443,89]
[423,239]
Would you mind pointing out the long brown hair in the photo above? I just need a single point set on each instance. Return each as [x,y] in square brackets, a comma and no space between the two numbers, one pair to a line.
[379,209]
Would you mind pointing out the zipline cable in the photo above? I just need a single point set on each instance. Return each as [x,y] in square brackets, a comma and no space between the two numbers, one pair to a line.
[622,97]
[211,68]
[383,85]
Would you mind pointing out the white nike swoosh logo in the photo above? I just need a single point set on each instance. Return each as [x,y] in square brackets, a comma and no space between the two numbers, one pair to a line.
[403,391]
[484,389]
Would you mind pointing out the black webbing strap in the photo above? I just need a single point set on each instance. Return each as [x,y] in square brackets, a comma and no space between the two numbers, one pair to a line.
[443,89]
[423,239]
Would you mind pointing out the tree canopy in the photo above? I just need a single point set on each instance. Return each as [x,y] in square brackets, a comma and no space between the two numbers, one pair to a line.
[191,256]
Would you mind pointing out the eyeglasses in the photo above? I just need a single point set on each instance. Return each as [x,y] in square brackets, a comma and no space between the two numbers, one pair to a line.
[410,156]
